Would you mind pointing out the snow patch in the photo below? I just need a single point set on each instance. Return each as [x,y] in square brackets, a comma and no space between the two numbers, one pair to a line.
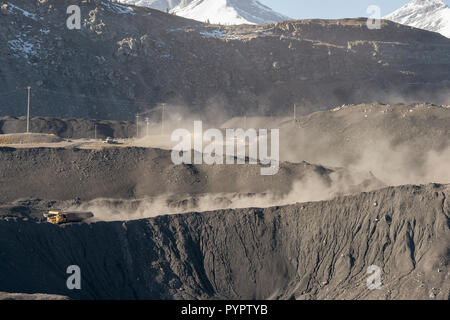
[27,14]
[118,8]
[23,47]
[213,11]
[213,34]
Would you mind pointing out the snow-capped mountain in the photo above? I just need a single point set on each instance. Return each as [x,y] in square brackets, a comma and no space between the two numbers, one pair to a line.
[432,15]
[216,11]
[228,11]
[162,5]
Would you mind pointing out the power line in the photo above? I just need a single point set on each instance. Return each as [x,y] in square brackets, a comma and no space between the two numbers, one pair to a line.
[151,111]
[84,96]
[87,97]
[160,108]
[6,93]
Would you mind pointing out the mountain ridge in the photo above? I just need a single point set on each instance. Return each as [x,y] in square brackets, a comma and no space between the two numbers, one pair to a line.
[226,12]
[126,60]
[431,15]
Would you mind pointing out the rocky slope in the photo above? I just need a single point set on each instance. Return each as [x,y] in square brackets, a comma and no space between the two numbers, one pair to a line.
[400,136]
[432,15]
[125,60]
[130,173]
[318,250]
[400,144]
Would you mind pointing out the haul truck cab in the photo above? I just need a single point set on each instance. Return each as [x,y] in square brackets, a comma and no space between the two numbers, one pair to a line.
[60,217]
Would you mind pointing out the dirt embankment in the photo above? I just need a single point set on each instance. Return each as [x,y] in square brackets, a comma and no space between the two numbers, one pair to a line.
[69,128]
[400,144]
[128,173]
[23,296]
[318,250]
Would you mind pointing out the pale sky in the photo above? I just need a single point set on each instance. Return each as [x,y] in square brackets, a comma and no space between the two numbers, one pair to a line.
[331,9]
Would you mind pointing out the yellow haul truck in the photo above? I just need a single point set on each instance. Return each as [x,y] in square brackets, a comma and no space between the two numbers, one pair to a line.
[60,217]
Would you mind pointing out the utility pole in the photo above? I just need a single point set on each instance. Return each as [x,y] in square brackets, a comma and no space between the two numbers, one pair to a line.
[95,131]
[162,119]
[295,113]
[147,120]
[137,126]
[245,122]
[28,109]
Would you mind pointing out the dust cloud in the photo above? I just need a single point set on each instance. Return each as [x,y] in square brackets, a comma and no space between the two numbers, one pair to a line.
[313,187]
[405,165]
[373,160]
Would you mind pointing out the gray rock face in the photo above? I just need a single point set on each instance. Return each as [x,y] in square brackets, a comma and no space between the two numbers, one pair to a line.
[125,60]
[318,250]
